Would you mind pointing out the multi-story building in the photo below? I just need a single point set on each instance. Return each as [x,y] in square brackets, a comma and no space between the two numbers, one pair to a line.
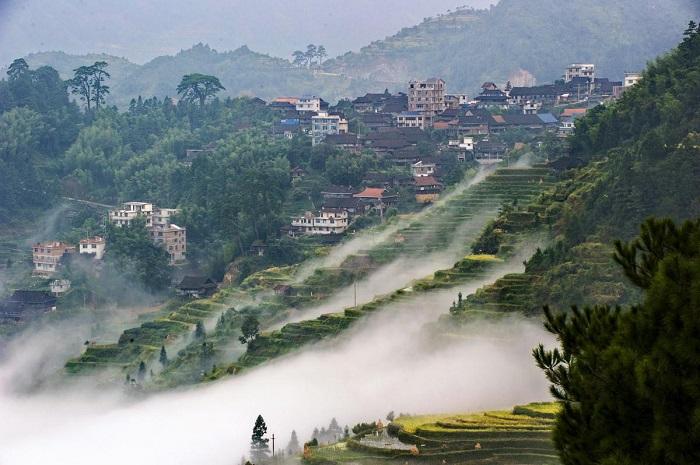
[324,124]
[162,216]
[413,119]
[580,70]
[47,256]
[455,101]
[163,231]
[427,189]
[309,103]
[427,96]
[173,239]
[93,246]
[131,211]
[328,221]
[631,79]
[420,169]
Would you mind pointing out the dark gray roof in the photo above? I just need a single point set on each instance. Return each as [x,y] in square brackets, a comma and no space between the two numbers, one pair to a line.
[196,282]
[548,91]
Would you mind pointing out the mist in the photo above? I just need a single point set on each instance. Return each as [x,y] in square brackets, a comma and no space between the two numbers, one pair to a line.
[383,364]
[141,31]
[365,240]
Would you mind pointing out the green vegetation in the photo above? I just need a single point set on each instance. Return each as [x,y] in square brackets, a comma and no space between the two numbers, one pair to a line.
[242,72]
[633,371]
[642,154]
[517,39]
[522,435]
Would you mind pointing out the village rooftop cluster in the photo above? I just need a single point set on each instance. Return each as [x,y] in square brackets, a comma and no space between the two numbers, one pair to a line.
[390,126]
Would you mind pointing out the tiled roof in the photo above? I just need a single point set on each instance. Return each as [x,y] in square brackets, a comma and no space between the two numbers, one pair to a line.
[424,181]
[371,193]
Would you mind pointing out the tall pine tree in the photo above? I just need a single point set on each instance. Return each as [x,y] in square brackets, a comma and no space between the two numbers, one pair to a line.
[629,380]
[259,449]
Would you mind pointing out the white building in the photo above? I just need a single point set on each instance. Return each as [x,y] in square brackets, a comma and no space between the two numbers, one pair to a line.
[463,146]
[328,221]
[93,246]
[531,108]
[413,119]
[420,169]
[59,286]
[324,124]
[163,231]
[455,101]
[130,211]
[309,103]
[631,79]
[584,70]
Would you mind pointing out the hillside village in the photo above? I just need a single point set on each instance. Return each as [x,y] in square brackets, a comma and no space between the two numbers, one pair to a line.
[486,225]
[423,132]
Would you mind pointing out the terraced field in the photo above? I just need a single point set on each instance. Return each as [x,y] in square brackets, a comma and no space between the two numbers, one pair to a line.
[141,343]
[509,437]
[452,224]
[447,228]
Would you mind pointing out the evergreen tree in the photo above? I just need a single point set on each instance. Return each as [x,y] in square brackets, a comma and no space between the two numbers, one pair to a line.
[163,356]
[628,380]
[250,329]
[199,87]
[334,431]
[141,375]
[259,449]
[293,447]
[199,331]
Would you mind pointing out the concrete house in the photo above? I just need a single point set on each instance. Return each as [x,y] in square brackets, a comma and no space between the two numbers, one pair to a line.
[47,256]
[93,246]
[427,97]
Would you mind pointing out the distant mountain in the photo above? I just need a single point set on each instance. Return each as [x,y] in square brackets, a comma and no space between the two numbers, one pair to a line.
[242,72]
[65,63]
[519,39]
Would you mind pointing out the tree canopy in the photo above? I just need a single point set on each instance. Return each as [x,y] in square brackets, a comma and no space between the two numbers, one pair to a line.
[198,87]
[628,378]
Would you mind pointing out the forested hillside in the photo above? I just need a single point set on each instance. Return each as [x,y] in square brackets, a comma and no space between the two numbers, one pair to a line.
[512,40]
[242,72]
[238,192]
[642,157]
[468,47]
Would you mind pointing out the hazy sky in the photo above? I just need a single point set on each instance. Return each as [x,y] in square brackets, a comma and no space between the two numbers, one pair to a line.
[141,30]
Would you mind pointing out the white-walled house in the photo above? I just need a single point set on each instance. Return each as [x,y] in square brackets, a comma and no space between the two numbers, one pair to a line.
[163,231]
[323,125]
[309,103]
[419,169]
[93,246]
[328,221]
[130,211]
[580,70]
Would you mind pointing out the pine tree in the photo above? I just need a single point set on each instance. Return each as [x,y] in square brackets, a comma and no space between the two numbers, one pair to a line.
[163,356]
[334,432]
[628,380]
[259,449]
[293,447]
[141,375]
[199,332]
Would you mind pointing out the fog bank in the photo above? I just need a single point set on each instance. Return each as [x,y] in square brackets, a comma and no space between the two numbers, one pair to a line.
[384,363]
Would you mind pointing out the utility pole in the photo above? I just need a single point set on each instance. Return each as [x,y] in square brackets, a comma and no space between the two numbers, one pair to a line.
[273,444]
